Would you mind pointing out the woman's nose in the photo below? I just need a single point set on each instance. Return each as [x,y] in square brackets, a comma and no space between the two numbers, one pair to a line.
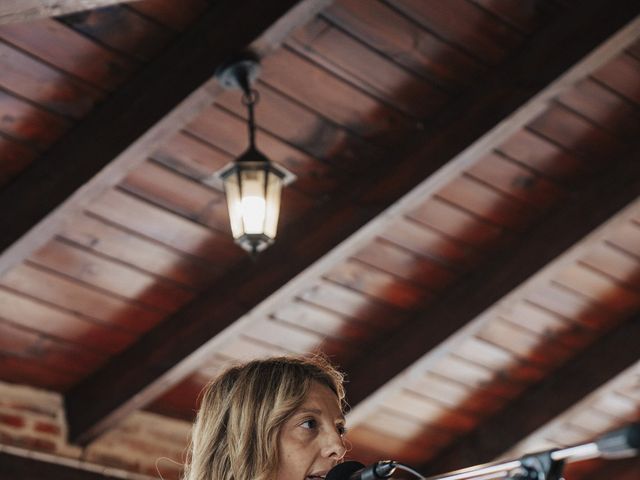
[334,447]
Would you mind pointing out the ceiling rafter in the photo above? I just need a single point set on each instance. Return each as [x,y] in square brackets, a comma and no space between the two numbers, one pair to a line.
[175,349]
[609,356]
[16,11]
[602,196]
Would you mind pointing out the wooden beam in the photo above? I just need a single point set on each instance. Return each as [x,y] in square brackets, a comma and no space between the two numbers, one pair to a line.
[472,299]
[28,465]
[589,370]
[176,347]
[17,11]
[124,131]
[509,268]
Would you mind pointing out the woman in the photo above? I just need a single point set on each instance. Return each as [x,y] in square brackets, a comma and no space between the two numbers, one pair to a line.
[275,419]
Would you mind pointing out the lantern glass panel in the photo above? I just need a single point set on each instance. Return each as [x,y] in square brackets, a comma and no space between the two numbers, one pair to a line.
[274,188]
[234,204]
[253,201]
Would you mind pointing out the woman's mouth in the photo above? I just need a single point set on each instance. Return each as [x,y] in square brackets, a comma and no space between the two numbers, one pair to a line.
[316,476]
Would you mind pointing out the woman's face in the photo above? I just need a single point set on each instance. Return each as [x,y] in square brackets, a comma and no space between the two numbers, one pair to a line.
[310,442]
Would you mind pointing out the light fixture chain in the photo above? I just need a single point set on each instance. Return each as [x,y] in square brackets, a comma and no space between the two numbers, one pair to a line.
[250,98]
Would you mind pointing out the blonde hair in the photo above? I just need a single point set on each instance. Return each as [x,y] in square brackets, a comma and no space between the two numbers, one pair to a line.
[236,430]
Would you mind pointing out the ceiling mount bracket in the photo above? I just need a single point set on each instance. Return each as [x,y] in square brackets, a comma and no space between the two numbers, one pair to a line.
[239,73]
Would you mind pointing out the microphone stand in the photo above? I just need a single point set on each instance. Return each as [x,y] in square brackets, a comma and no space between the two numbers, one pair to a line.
[548,465]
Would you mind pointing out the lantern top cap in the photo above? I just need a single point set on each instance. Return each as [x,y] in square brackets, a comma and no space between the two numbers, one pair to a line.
[252,154]
[217,179]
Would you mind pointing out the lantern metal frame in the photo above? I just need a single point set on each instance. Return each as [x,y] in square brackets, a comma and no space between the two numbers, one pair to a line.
[240,74]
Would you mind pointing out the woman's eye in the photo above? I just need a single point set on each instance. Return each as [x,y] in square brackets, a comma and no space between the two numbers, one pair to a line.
[310,424]
[342,430]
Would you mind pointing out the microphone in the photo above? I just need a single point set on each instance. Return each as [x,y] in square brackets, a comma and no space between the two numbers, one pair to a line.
[353,470]
[621,443]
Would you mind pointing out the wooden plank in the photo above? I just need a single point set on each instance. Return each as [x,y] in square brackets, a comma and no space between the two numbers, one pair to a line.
[553,326]
[599,288]
[526,15]
[308,131]
[525,344]
[577,134]
[628,239]
[323,321]
[335,99]
[407,428]
[16,11]
[543,156]
[347,58]
[27,371]
[471,29]
[44,85]
[122,29]
[622,267]
[57,323]
[488,203]
[295,339]
[227,132]
[423,409]
[353,304]
[617,406]
[390,258]
[622,76]
[603,197]
[570,306]
[177,16]
[382,444]
[457,223]
[54,43]
[172,230]
[193,200]
[594,421]
[430,243]
[609,110]
[74,296]
[396,37]
[52,354]
[30,124]
[456,395]
[610,355]
[482,351]
[174,350]
[516,181]
[190,156]
[244,349]
[126,247]
[91,269]
[380,285]
[480,377]
[167,95]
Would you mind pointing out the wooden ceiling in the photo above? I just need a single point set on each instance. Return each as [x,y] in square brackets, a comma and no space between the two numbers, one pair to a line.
[463,238]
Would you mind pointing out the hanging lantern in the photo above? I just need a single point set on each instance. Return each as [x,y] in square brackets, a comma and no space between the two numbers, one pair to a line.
[252,183]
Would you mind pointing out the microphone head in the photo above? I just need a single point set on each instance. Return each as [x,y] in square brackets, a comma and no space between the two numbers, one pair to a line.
[621,443]
[344,470]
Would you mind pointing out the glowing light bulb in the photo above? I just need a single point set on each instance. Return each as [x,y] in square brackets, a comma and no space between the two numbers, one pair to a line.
[253,213]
